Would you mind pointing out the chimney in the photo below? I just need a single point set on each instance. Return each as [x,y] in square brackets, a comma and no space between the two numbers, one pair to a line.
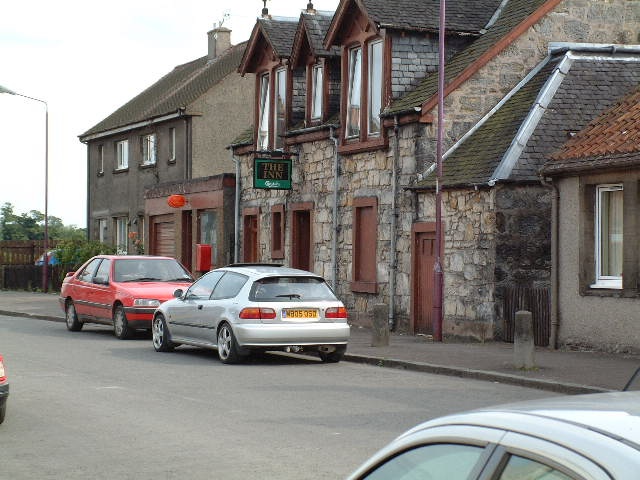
[219,42]
[310,9]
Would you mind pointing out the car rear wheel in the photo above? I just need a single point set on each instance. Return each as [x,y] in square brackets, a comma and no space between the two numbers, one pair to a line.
[73,324]
[121,327]
[160,334]
[333,357]
[227,345]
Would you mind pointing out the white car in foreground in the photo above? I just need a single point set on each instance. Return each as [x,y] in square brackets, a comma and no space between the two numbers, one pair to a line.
[251,307]
[586,437]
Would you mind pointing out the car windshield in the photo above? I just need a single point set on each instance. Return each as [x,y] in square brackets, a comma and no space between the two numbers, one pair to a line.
[278,289]
[150,270]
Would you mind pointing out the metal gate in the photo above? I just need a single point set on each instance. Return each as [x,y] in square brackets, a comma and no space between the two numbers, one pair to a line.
[535,300]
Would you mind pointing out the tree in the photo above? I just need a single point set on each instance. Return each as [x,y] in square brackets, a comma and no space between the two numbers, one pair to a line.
[30,226]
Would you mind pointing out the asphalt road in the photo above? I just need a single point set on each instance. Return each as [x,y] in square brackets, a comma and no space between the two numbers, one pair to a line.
[86,405]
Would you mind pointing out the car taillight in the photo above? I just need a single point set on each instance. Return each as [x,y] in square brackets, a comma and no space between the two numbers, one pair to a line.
[3,375]
[335,312]
[254,313]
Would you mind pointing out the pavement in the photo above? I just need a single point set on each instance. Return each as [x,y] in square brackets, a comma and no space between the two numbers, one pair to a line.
[561,371]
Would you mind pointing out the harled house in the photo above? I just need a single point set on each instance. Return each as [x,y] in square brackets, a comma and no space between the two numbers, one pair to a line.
[596,285]
[171,139]
[359,208]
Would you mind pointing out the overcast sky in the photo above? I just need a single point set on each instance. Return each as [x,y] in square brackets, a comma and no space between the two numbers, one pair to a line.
[86,59]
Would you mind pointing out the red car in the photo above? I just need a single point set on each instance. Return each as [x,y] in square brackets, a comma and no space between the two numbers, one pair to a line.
[120,290]
[4,390]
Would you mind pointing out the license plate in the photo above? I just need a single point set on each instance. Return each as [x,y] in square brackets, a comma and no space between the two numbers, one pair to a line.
[299,314]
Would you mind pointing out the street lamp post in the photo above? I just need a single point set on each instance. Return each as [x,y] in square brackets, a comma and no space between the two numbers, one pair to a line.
[45,265]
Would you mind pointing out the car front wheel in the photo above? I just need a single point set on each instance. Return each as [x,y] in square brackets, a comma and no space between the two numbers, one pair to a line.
[332,357]
[73,324]
[120,325]
[160,334]
[227,345]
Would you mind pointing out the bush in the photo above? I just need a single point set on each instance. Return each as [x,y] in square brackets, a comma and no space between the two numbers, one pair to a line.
[73,253]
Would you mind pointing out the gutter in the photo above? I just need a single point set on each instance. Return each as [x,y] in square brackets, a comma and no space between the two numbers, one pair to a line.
[555,255]
[236,211]
[393,262]
[336,228]
[132,126]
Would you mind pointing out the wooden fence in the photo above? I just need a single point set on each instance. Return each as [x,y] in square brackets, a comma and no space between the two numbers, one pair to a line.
[29,277]
[23,252]
[535,300]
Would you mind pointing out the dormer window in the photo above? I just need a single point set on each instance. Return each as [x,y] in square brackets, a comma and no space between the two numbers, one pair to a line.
[263,115]
[317,82]
[354,93]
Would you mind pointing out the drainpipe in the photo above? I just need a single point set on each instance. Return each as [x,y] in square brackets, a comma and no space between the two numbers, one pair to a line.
[334,240]
[394,225]
[236,212]
[555,283]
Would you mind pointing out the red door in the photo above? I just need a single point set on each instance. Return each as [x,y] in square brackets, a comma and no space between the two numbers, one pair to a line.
[424,244]
[250,239]
[301,240]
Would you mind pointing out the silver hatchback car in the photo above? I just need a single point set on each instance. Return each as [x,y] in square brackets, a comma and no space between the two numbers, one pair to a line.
[251,307]
[586,437]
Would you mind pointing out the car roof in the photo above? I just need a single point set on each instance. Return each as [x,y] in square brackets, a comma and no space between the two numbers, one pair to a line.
[267,270]
[134,257]
[613,414]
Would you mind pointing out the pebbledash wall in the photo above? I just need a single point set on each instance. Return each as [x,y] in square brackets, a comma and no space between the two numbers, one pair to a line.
[472,235]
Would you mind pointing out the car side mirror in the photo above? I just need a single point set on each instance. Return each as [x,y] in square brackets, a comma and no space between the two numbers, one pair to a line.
[178,293]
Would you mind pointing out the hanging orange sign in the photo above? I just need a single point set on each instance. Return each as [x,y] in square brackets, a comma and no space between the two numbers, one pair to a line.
[177,200]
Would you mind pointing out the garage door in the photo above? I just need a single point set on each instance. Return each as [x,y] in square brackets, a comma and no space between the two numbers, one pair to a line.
[164,238]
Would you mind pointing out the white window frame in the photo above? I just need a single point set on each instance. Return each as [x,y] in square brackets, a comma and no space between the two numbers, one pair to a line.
[263,112]
[172,144]
[317,87]
[604,281]
[122,155]
[279,107]
[354,92]
[122,235]
[102,230]
[149,149]
[374,88]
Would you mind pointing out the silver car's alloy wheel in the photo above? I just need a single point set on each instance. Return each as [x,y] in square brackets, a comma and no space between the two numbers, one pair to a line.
[227,350]
[160,334]
[73,324]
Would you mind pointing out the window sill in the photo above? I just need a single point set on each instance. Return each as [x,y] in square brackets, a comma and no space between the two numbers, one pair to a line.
[121,170]
[364,287]
[607,286]
[359,147]
[145,166]
[100,174]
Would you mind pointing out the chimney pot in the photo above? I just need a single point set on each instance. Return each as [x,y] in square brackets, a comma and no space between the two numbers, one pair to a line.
[219,42]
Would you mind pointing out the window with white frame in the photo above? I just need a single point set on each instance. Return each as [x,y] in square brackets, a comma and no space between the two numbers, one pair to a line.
[122,235]
[122,154]
[317,76]
[102,230]
[354,93]
[100,159]
[280,111]
[149,149]
[172,144]
[608,236]
[374,104]
[263,113]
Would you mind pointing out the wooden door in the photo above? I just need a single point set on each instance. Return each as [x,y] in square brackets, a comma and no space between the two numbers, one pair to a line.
[301,241]
[424,246]
[250,239]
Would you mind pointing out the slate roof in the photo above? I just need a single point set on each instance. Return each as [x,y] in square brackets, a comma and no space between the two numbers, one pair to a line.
[514,13]
[610,141]
[178,89]
[316,26]
[589,87]
[469,16]
[280,32]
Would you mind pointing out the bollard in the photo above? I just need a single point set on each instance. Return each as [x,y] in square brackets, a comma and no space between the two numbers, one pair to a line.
[380,324]
[523,344]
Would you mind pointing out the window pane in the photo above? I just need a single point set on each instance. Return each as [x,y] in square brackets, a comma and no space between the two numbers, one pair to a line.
[519,468]
[122,231]
[611,233]
[149,150]
[281,107]
[209,232]
[316,106]
[172,144]
[441,461]
[229,286]
[123,154]
[204,286]
[278,289]
[355,89]
[375,86]
[263,129]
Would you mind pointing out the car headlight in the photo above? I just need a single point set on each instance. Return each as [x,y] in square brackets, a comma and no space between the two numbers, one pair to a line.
[146,302]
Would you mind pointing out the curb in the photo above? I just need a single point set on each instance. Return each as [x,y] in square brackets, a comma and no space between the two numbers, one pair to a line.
[489,376]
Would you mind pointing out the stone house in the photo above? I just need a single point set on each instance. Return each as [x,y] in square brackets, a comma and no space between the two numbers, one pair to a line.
[173,132]
[361,207]
[595,176]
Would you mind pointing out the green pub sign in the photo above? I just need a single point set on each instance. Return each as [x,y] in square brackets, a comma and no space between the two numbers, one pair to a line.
[273,174]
